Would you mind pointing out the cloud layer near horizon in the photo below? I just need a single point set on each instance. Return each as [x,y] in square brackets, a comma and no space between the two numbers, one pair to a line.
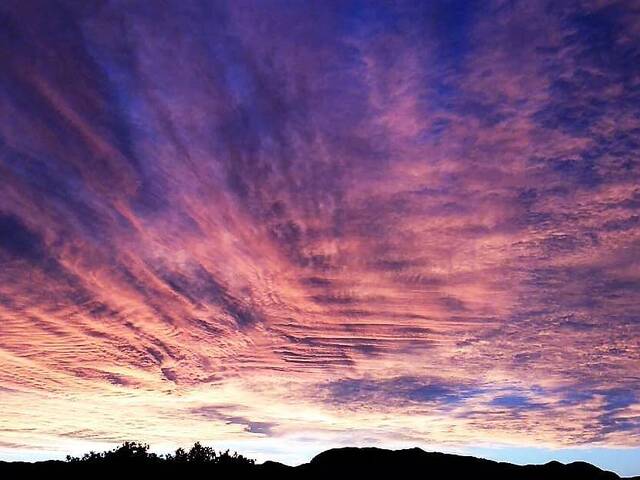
[338,222]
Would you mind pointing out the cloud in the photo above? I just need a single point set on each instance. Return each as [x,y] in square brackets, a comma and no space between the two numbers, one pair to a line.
[412,221]
[400,391]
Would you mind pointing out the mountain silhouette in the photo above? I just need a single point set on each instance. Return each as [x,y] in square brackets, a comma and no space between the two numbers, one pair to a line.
[347,462]
[417,463]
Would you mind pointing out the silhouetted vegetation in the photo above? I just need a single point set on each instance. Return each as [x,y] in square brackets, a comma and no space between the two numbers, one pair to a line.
[138,453]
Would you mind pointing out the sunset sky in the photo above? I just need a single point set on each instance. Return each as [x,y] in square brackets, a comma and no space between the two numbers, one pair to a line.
[284,226]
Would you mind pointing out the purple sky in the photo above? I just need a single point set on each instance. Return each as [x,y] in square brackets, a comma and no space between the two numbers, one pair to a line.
[283,226]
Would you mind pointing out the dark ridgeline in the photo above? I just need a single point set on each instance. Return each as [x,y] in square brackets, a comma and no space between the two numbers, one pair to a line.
[133,460]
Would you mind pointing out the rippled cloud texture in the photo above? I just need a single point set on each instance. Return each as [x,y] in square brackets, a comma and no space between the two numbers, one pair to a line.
[320,223]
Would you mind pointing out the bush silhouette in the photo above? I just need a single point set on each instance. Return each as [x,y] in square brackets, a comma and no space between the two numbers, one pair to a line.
[138,453]
[232,460]
[128,452]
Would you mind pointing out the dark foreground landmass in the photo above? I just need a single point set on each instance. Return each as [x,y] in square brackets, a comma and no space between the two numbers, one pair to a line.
[353,463]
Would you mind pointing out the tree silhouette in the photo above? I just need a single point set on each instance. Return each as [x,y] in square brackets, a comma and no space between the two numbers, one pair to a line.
[138,453]
[128,452]
[200,454]
[232,460]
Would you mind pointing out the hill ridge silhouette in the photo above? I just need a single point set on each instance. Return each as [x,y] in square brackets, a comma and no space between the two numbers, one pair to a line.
[374,459]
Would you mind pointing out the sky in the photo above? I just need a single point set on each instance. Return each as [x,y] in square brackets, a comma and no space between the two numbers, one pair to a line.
[284,226]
